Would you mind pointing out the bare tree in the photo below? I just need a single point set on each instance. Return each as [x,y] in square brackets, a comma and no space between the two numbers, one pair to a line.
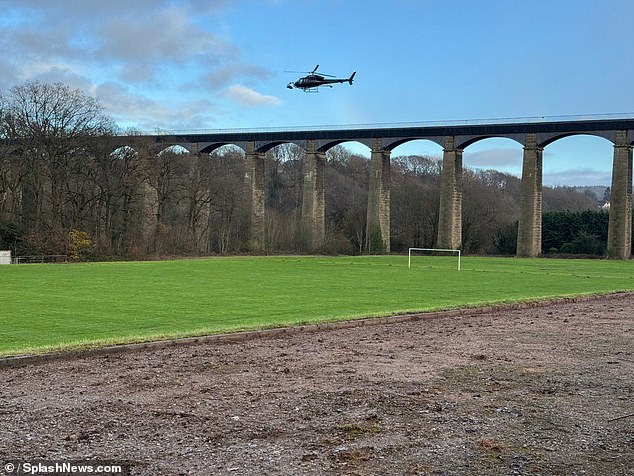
[228,214]
[119,175]
[414,202]
[52,122]
[347,178]
[166,170]
[284,197]
[10,170]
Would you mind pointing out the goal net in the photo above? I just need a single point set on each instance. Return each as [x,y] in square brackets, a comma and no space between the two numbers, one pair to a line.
[431,252]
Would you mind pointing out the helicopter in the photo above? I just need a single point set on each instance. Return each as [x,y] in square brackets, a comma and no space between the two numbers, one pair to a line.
[312,82]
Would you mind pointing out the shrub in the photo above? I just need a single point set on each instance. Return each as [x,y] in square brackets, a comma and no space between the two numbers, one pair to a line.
[82,246]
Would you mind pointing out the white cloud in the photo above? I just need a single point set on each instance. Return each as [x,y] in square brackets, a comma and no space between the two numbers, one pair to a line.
[60,73]
[137,111]
[248,97]
[494,158]
[167,48]
[138,42]
[165,34]
[225,74]
[117,98]
[151,63]
[584,176]
[8,76]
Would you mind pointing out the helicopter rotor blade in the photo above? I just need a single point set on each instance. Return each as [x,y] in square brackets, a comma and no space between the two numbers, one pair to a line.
[314,71]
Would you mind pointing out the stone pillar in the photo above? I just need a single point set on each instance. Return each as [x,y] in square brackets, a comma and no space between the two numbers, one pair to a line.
[450,213]
[620,221]
[529,230]
[313,204]
[255,180]
[378,223]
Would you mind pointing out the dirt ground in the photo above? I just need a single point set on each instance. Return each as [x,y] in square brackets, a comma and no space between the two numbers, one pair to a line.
[545,390]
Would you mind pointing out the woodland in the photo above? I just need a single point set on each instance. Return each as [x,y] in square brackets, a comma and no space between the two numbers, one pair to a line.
[68,187]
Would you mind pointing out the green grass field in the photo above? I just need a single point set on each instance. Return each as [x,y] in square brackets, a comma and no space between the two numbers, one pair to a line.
[52,307]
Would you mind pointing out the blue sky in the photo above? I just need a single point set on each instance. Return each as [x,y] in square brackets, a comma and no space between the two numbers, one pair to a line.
[218,64]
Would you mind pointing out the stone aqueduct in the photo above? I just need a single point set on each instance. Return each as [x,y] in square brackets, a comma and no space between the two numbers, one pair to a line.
[453,138]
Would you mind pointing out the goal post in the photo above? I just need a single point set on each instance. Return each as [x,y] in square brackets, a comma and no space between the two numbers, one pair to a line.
[409,255]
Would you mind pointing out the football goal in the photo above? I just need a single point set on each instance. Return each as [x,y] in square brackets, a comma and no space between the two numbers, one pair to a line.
[430,251]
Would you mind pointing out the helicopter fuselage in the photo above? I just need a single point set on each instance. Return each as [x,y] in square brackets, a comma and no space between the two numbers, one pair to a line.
[313,81]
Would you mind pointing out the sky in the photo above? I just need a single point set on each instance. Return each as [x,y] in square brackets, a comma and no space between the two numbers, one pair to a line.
[222,64]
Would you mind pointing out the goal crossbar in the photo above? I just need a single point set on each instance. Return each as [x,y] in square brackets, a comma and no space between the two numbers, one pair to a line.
[409,256]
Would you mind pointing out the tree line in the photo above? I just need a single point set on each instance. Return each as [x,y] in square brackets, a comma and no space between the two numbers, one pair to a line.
[67,186]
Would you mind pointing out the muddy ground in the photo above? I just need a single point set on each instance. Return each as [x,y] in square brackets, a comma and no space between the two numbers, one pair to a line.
[539,391]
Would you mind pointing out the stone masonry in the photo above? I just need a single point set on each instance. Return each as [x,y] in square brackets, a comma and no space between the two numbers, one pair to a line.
[378,224]
[529,232]
[313,203]
[255,178]
[450,213]
[620,221]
